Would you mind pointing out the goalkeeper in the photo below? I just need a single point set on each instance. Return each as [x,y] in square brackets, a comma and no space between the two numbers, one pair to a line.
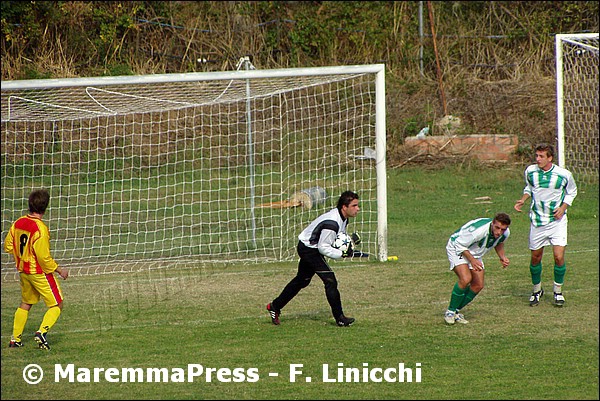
[465,250]
[315,242]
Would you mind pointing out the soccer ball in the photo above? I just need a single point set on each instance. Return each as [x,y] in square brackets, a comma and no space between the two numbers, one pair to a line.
[342,242]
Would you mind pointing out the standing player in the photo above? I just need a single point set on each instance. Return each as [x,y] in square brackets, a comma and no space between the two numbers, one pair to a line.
[315,242]
[29,242]
[465,250]
[552,190]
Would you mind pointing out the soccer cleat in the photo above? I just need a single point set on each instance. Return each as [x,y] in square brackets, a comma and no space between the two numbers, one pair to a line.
[274,314]
[344,321]
[559,299]
[450,317]
[460,318]
[40,338]
[534,300]
[15,344]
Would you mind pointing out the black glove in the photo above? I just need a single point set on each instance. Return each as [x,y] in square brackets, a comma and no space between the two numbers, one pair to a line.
[355,238]
[348,252]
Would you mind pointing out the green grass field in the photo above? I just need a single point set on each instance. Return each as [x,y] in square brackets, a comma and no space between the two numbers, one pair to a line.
[214,317]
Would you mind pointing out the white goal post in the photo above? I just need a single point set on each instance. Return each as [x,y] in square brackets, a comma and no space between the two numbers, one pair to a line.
[151,171]
[577,104]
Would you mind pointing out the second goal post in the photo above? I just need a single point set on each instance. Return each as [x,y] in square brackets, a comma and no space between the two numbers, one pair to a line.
[577,91]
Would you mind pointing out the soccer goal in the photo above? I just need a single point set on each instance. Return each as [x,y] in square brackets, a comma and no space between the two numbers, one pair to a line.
[577,104]
[148,171]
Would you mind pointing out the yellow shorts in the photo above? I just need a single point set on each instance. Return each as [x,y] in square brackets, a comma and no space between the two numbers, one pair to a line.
[46,286]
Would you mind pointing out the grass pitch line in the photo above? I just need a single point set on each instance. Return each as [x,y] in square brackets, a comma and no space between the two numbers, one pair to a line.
[291,316]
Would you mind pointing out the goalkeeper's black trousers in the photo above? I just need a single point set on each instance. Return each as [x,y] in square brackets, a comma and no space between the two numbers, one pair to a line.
[311,263]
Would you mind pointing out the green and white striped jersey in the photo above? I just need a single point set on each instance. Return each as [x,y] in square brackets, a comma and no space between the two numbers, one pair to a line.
[548,190]
[476,237]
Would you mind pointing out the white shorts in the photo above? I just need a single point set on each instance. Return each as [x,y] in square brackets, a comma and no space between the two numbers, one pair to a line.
[456,260]
[554,233]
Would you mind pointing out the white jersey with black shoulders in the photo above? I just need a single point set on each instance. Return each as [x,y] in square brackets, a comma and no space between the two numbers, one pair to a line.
[321,233]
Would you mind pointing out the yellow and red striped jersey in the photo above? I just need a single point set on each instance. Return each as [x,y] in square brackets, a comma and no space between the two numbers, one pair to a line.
[29,242]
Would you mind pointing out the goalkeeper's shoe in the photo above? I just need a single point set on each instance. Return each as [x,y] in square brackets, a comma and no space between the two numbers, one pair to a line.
[559,299]
[15,344]
[274,314]
[450,317]
[344,321]
[534,300]
[40,338]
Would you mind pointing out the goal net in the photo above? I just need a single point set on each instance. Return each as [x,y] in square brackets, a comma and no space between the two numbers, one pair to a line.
[151,171]
[577,104]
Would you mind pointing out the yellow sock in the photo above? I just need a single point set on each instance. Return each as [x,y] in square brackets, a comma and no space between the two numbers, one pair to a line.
[19,323]
[50,317]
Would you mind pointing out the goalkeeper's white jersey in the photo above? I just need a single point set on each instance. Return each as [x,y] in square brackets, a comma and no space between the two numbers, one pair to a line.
[476,237]
[322,231]
[548,190]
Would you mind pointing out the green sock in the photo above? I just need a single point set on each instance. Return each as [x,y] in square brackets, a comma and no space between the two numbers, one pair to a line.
[559,274]
[458,295]
[468,297]
[536,273]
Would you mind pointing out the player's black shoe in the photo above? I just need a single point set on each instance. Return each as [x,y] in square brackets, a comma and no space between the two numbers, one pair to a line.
[274,314]
[344,321]
[534,300]
[15,344]
[559,299]
[40,338]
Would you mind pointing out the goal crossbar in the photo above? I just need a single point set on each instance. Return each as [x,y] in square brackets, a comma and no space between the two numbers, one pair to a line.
[192,77]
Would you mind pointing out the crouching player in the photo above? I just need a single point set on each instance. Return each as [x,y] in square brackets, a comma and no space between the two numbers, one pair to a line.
[465,249]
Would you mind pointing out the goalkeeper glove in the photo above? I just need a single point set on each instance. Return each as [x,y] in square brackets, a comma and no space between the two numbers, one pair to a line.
[355,238]
[348,252]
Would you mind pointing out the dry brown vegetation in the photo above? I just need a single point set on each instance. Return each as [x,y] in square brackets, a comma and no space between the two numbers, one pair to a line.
[496,59]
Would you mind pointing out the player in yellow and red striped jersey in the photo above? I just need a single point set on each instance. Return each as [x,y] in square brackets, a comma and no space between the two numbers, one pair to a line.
[29,242]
